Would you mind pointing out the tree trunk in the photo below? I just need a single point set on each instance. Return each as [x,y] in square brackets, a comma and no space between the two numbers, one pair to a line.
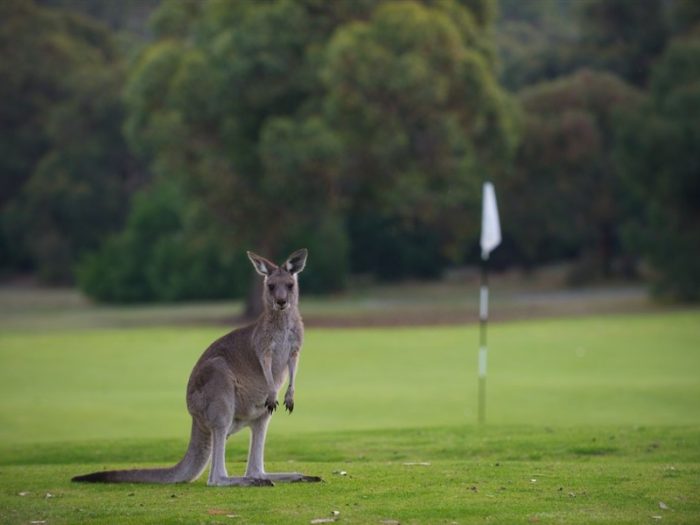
[254,304]
[606,250]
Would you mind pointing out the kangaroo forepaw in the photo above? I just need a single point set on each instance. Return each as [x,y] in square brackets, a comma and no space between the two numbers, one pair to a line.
[289,399]
[271,405]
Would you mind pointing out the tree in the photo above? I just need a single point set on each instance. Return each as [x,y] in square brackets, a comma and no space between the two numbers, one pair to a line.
[66,169]
[226,101]
[564,197]
[244,105]
[658,153]
[170,250]
[421,120]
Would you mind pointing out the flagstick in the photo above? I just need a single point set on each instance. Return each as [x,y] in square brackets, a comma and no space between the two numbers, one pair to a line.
[490,239]
[483,322]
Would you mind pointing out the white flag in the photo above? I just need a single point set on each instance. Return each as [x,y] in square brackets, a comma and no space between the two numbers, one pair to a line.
[490,225]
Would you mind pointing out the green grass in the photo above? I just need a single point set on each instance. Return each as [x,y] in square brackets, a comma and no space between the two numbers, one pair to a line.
[602,412]
[582,475]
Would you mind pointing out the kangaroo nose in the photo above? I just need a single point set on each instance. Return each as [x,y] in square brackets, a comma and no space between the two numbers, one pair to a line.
[281,302]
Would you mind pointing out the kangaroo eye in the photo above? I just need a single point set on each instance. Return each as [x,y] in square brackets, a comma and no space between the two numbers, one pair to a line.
[271,287]
[290,286]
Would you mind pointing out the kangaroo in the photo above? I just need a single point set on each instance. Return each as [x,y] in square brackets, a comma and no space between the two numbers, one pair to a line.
[235,384]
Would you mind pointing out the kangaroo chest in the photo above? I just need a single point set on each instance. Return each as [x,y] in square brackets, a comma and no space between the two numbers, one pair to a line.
[280,341]
[281,345]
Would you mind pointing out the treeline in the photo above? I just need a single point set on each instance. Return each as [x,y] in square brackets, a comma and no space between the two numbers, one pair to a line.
[607,169]
[142,159]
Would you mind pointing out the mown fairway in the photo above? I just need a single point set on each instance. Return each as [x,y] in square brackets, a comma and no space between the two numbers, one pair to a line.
[592,420]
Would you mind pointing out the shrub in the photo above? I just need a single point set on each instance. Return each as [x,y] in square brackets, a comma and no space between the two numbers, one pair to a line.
[164,254]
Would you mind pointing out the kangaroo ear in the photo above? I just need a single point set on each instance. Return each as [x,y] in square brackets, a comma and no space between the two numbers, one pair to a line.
[295,263]
[261,265]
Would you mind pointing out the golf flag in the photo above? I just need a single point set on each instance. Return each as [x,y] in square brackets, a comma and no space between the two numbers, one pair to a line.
[490,225]
[490,239]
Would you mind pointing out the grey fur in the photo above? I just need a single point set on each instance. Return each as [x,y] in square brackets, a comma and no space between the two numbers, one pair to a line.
[235,385]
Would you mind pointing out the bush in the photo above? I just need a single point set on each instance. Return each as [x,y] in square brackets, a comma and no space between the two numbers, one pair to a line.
[170,251]
[182,269]
[164,255]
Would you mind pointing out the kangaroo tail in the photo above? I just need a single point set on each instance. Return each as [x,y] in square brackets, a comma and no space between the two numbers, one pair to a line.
[188,469]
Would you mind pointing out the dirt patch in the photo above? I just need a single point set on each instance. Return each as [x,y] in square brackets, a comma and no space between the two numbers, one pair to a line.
[408,304]
[505,307]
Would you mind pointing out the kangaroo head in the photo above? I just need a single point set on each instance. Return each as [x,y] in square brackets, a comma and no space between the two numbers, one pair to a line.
[281,287]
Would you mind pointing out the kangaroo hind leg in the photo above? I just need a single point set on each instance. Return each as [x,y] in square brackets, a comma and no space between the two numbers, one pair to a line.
[218,475]
[256,457]
[218,409]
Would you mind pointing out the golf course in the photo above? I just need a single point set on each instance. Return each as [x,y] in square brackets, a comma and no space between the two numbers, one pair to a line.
[592,419]
[460,240]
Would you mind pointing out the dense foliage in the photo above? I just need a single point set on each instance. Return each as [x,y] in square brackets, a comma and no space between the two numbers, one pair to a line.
[659,154]
[66,170]
[144,158]
[282,118]
[564,196]
[412,96]
[595,164]
[165,251]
